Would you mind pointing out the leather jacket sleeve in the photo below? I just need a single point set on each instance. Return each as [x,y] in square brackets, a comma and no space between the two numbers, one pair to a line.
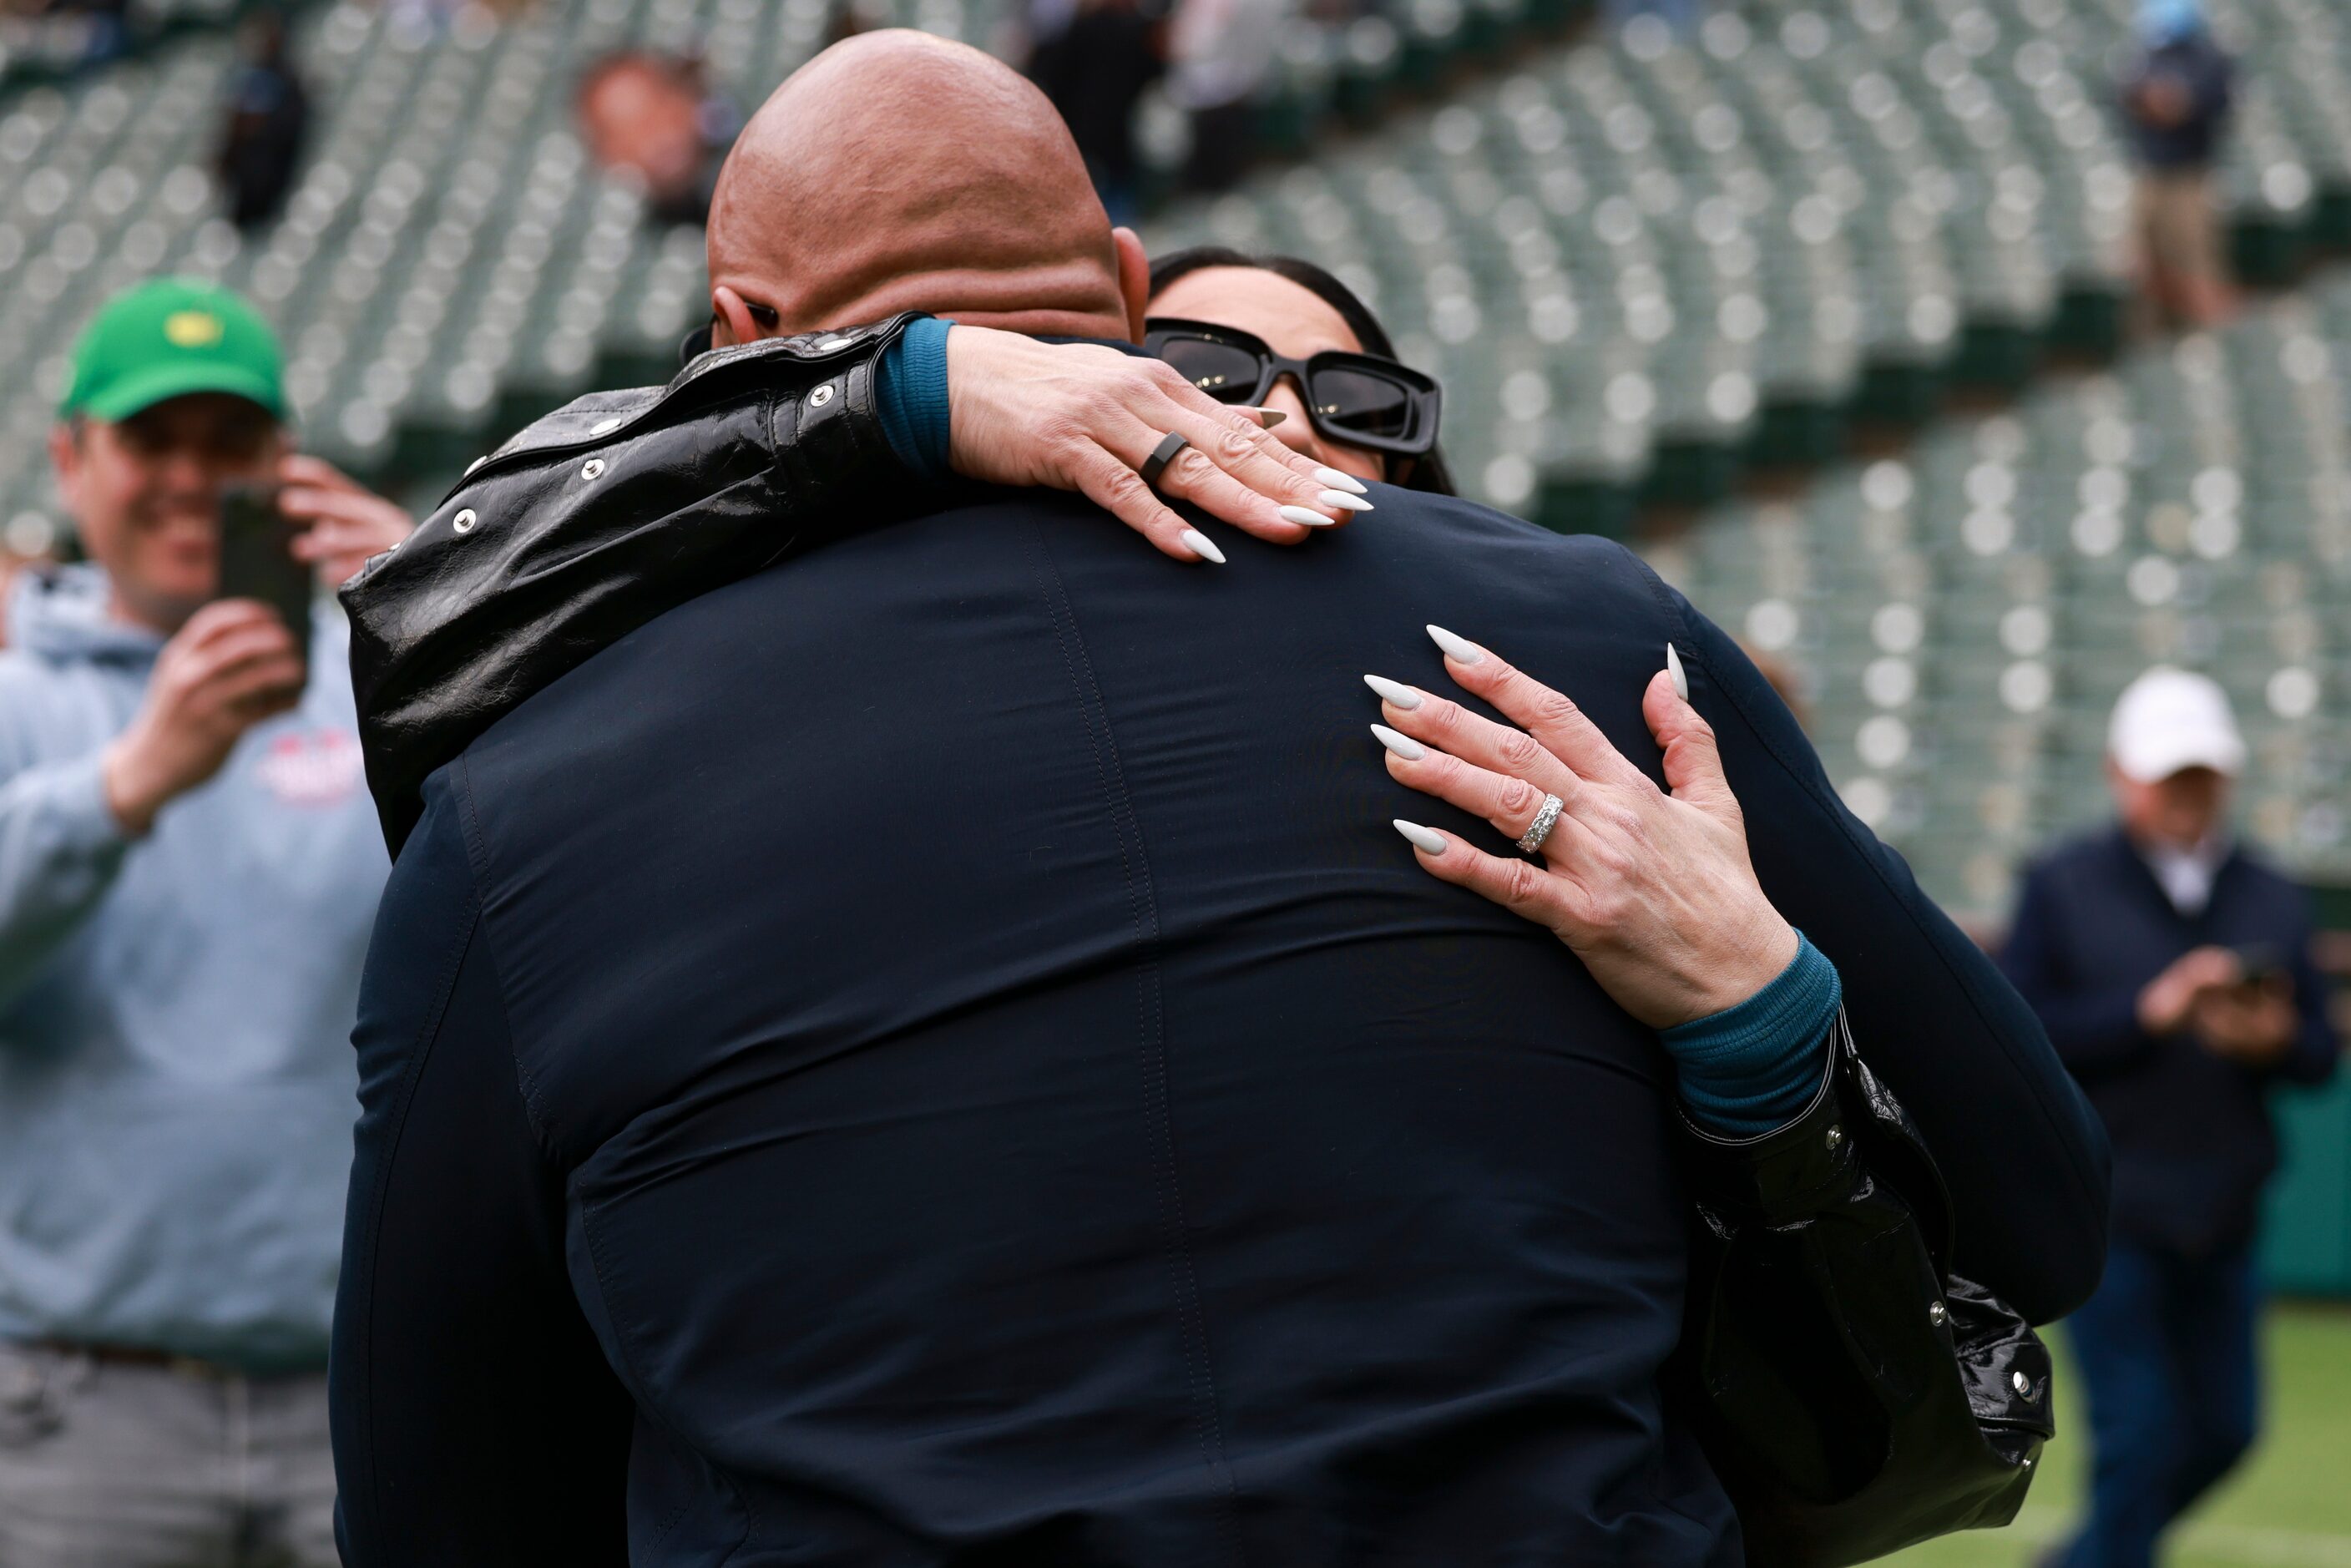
[1852,1135]
[1854,1394]
[600,517]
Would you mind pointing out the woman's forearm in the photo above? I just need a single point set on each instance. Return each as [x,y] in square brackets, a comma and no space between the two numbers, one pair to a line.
[1749,1068]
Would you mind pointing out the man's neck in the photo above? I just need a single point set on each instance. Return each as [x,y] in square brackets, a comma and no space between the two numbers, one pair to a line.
[2206,852]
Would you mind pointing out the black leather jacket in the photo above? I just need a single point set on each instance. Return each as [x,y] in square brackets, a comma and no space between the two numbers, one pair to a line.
[601,516]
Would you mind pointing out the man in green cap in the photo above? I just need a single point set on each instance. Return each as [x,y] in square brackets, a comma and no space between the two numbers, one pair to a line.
[188,867]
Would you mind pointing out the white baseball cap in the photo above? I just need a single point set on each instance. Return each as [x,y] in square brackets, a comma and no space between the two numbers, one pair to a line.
[2170,719]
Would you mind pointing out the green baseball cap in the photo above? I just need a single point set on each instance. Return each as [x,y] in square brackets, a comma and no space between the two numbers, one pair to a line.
[166,339]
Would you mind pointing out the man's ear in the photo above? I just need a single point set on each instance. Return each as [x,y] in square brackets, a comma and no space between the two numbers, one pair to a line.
[730,321]
[1133,279]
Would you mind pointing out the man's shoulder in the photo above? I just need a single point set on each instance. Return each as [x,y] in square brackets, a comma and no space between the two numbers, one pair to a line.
[1470,519]
[769,365]
[31,683]
[692,436]
[1489,562]
[2088,854]
[2255,864]
[22,672]
[1426,557]
[1417,558]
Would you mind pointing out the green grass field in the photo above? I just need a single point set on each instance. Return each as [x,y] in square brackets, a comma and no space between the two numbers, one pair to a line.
[2288,1507]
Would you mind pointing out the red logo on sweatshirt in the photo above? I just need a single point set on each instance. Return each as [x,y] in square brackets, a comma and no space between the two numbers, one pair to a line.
[317,767]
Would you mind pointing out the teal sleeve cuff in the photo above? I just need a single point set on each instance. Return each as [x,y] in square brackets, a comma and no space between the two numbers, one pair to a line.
[910,394]
[1754,1067]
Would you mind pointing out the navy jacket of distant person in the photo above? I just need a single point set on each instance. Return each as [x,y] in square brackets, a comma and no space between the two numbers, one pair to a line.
[2191,1134]
[932,1053]
[2199,65]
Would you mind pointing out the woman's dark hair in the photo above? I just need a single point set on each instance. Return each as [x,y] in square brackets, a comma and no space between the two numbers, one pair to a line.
[1429,473]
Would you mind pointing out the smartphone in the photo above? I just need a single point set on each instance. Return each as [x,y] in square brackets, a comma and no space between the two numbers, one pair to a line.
[256,559]
[2263,964]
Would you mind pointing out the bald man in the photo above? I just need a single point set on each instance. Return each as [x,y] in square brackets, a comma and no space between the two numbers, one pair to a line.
[932,1053]
[900,171]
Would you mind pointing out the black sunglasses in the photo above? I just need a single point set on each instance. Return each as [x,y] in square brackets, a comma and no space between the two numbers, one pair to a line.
[1361,399]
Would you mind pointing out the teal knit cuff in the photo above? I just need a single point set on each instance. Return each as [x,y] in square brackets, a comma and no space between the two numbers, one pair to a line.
[910,395]
[1754,1067]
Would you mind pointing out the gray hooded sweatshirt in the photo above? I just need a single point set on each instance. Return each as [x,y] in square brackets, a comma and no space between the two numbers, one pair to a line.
[177,1080]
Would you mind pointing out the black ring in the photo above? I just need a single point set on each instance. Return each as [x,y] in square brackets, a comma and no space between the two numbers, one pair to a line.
[1162,454]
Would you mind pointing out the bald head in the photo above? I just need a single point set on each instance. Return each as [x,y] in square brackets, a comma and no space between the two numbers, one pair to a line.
[897,170]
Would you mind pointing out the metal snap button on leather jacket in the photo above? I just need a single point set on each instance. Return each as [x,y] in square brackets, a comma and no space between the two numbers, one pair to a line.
[601,516]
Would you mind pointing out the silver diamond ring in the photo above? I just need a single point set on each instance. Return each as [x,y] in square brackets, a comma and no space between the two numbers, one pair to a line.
[1546,819]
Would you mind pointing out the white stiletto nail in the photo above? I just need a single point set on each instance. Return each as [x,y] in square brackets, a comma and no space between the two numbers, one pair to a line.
[1396,693]
[1267,418]
[1201,544]
[1338,481]
[1305,518]
[1461,649]
[1674,668]
[1428,840]
[1340,500]
[1404,745]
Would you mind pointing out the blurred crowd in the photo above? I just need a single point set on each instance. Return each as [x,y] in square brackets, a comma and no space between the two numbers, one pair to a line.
[1096,58]
[659,117]
[66,36]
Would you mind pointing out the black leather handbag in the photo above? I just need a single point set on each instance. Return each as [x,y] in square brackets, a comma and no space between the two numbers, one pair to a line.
[1852,1394]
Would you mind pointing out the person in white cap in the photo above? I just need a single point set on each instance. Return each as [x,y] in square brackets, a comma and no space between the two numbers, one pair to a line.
[2172,971]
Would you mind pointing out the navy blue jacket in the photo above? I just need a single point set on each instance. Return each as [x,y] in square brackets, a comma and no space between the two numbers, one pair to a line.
[932,1053]
[2191,1132]
[2197,62]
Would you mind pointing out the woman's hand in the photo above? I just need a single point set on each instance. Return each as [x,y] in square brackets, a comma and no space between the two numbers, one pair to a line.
[1083,417]
[1652,891]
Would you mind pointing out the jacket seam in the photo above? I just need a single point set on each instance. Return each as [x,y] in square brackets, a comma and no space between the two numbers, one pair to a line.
[420,1051]
[633,1380]
[2085,1188]
[1151,1034]
[528,1090]
[478,856]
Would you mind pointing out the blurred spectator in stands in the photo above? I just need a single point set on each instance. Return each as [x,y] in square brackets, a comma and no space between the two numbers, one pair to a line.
[2176,98]
[658,116]
[1095,69]
[847,18]
[2173,972]
[268,120]
[1037,21]
[109,30]
[716,114]
[67,36]
[189,870]
[1220,52]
